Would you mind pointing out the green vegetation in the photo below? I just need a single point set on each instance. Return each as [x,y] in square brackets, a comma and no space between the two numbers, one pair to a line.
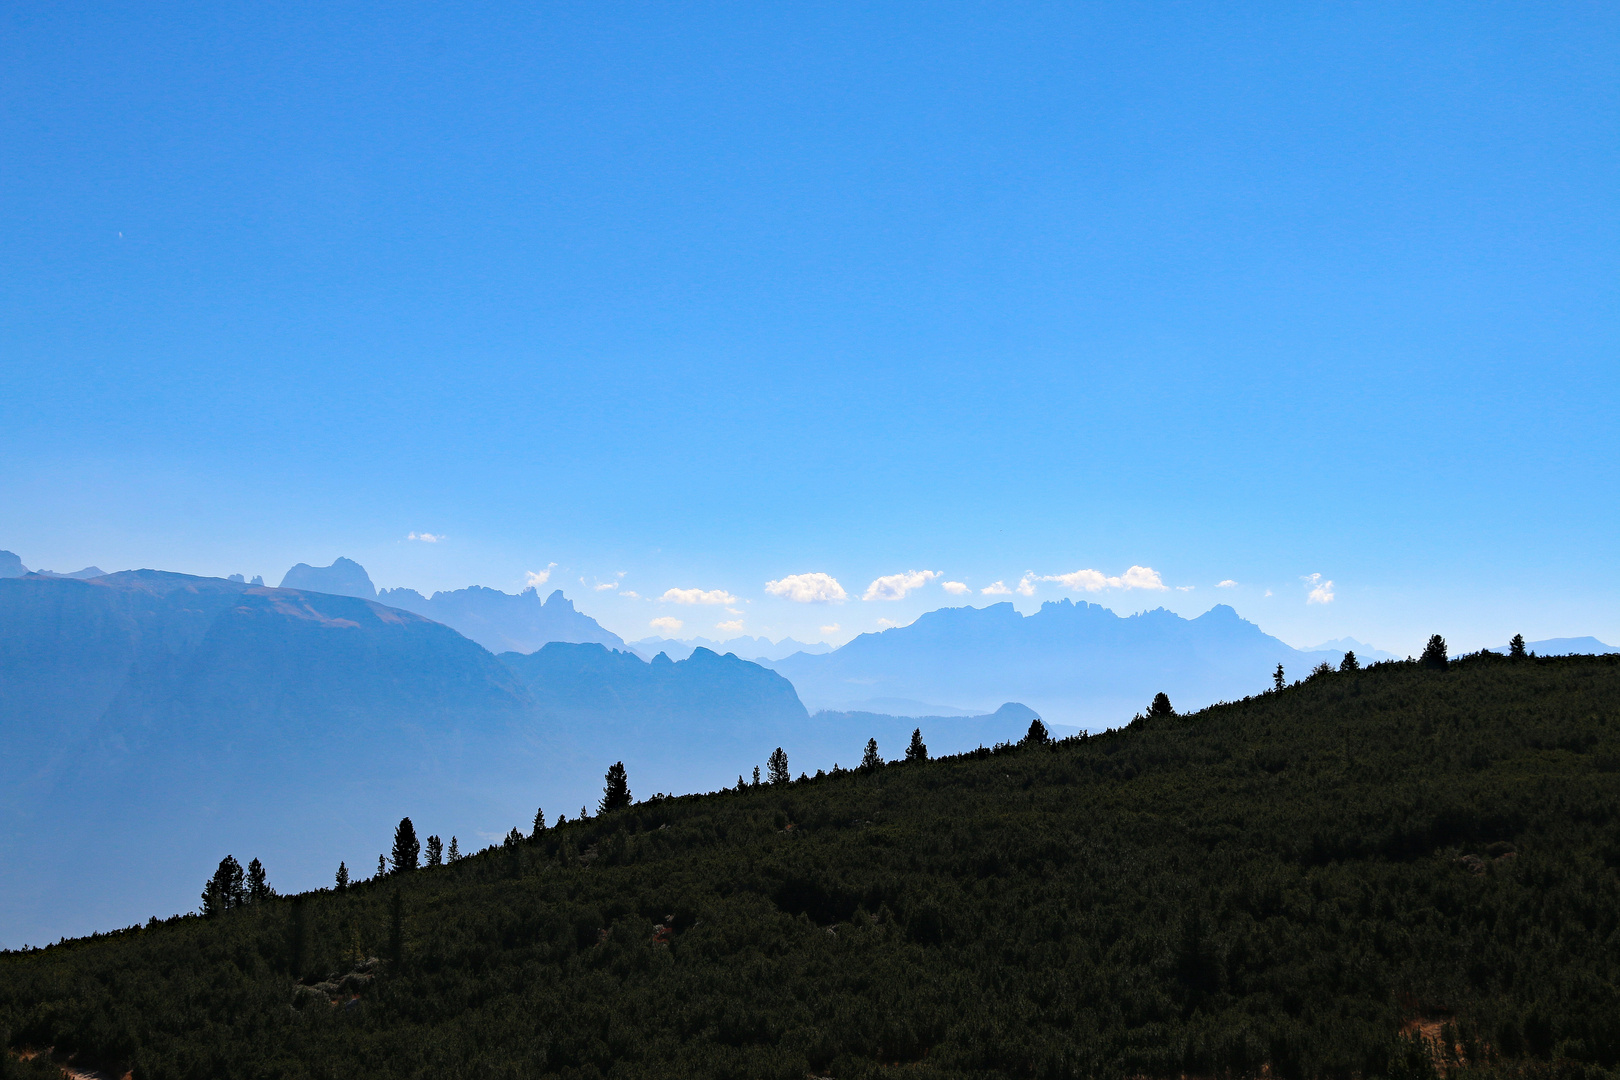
[1396,871]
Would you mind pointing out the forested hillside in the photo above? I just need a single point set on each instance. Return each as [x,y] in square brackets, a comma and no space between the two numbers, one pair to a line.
[1392,872]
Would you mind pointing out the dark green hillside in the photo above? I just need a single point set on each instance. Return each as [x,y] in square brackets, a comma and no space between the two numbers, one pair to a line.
[1281,885]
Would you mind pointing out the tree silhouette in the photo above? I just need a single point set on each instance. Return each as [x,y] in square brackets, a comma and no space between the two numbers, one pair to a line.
[539,823]
[435,851]
[1037,734]
[455,851]
[1516,646]
[513,838]
[918,750]
[1350,663]
[257,887]
[756,776]
[225,889]
[616,792]
[406,848]
[1434,653]
[870,759]
[777,763]
[1161,705]
[1277,676]
[382,865]
[342,876]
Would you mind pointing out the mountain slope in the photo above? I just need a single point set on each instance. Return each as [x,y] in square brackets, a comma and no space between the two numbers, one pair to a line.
[145,716]
[1278,887]
[1072,663]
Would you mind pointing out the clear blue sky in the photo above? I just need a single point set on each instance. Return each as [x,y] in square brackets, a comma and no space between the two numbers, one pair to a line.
[711,295]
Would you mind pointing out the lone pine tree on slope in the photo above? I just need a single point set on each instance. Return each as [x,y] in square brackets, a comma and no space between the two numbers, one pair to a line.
[616,792]
[918,750]
[778,765]
[406,847]
[870,759]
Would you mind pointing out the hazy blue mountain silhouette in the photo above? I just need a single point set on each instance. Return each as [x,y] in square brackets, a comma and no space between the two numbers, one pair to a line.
[149,722]
[843,734]
[11,565]
[344,577]
[1339,646]
[152,722]
[503,622]
[1564,646]
[749,648]
[1073,663]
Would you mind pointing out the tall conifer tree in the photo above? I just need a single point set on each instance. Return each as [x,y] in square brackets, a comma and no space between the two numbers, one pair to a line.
[615,791]
[406,847]
[918,750]
[870,759]
[778,765]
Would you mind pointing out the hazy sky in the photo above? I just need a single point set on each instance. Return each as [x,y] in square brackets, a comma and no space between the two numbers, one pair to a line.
[705,297]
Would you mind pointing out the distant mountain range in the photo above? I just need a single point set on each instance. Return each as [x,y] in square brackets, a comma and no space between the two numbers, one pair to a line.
[499,621]
[1564,646]
[150,722]
[749,648]
[1077,664]
[12,566]
[1364,652]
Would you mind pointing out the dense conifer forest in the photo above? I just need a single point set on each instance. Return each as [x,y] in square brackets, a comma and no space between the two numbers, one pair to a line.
[1403,871]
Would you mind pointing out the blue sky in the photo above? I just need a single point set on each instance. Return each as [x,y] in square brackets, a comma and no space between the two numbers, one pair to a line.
[710,296]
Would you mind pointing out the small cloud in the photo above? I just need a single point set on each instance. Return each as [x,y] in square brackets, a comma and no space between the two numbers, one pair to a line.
[1137,577]
[1321,591]
[537,578]
[996,588]
[606,585]
[697,596]
[808,589]
[830,629]
[1185,588]
[887,624]
[1268,592]
[631,594]
[1227,584]
[621,573]
[734,611]
[1026,584]
[956,588]
[734,626]
[426,538]
[667,626]
[895,586]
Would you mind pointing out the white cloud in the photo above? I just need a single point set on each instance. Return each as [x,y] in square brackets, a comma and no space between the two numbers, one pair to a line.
[830,629]
[996,588]
[887,624]
[667,626]
[895,586]
[1268,592]
[1137,577]
[1227,584]
[1026,584]
[733,626]
[1321,591]
[808,589]
[426,538]
[537,578]
[606,585]
[631,594]
[956,588]
[1185,588]
[697,596]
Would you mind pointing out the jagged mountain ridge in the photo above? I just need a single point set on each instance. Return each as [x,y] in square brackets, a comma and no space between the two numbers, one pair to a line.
[1074,663]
